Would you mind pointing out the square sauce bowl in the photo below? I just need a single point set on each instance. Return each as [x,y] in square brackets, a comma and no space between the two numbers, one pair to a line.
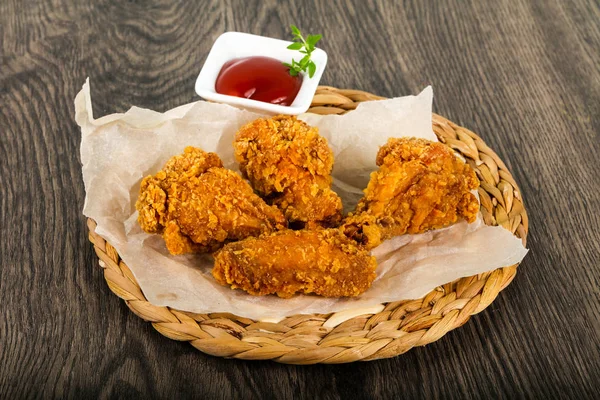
[232,45]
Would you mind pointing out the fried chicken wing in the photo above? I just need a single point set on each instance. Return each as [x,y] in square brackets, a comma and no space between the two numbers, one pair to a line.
[321,261]
[289,163]
[420,185]
[197,205]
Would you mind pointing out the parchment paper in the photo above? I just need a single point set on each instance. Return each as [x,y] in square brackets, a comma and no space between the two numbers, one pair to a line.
[118,150]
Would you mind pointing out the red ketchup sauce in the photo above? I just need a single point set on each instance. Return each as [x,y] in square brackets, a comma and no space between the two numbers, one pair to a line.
[258,78]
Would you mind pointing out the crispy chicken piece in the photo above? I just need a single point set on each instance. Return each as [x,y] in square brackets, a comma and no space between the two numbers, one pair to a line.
[321,261]
[289,164]
[197,205]
[152,201]
[420,185]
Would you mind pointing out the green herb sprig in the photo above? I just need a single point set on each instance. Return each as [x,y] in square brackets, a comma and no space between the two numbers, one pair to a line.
[306,47]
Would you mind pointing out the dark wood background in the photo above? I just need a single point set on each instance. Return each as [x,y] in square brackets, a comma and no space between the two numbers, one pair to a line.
[525,75]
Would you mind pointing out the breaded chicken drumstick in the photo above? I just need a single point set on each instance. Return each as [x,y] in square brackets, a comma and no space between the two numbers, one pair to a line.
[289,164]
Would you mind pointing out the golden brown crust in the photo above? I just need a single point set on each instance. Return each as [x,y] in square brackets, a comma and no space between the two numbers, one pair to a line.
[420,185]
[323,262]
[198,206]
[152,205]
[152,201]
[289,163]
[179,243]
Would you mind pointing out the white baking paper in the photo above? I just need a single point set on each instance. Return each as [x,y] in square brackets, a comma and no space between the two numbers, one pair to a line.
[118,150]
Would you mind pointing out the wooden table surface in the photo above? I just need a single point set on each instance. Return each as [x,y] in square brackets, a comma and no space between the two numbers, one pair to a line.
[524,75]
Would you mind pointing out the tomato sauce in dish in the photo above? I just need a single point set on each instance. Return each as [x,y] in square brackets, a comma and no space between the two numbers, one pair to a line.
[258,78]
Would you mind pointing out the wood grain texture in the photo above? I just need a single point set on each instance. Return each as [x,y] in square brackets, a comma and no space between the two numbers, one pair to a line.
[524,75]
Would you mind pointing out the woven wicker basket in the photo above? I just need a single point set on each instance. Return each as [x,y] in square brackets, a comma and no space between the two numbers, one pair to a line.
[306,339]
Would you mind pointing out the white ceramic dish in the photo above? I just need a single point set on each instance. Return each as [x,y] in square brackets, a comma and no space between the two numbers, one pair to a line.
[232,45]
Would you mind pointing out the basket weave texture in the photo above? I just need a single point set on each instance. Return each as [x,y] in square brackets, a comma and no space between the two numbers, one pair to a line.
[307,339]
